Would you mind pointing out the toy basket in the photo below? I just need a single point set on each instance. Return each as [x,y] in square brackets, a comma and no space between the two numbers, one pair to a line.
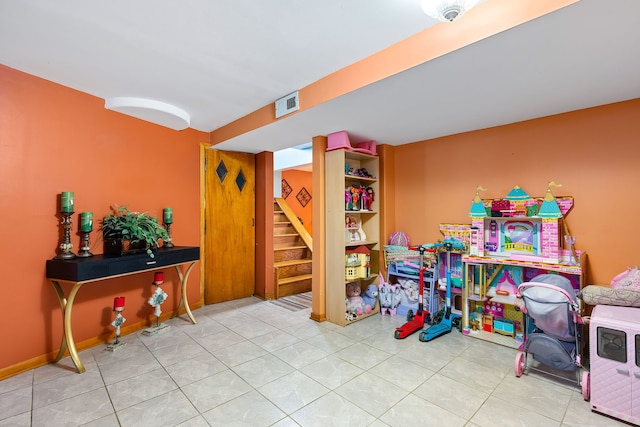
[340,140]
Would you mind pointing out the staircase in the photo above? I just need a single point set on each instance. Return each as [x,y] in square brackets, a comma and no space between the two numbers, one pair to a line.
[292,252]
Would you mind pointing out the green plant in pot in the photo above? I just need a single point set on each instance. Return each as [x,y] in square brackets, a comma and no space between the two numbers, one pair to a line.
[124,231]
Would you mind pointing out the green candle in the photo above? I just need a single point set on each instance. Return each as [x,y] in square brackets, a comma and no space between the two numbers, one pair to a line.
[168,215]
[67,201]
[86,221]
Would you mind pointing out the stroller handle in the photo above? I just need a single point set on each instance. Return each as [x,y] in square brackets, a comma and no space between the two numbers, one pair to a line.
[548,286]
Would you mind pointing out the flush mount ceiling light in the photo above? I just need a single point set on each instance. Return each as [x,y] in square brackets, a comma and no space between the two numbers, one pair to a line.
[152,111]
[447,10]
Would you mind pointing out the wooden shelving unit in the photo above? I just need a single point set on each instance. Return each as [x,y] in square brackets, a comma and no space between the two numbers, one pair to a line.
[336,163]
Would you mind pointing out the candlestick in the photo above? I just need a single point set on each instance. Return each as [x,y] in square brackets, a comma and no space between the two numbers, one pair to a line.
[167,218]
[571,241]
[118,308]
[85,248]
[167,215]
[66,245]
[158,297]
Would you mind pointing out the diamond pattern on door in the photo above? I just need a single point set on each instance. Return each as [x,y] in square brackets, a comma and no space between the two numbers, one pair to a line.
[221,171]
[240,181]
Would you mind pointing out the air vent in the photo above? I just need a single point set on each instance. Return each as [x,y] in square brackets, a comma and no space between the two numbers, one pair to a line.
[287,104]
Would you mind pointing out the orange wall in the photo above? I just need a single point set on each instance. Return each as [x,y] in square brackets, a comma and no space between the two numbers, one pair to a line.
[55,139]
[298,179]
[594,153]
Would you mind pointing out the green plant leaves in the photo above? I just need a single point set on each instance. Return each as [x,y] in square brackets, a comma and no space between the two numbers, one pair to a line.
[133,226]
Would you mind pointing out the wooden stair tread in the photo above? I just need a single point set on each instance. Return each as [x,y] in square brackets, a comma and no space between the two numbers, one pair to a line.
[295,278]
[292,262]
[285,248]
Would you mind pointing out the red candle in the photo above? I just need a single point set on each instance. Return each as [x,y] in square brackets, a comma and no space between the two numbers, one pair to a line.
[158,277]
[118,303]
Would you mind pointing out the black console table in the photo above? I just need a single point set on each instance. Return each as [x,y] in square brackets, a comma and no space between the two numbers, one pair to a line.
[79,271]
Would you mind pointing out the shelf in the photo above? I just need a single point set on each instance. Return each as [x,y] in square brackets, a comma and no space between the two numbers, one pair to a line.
[364,279]
[504,299]
[337,237]
[355,155]
[359,178]
[495,338]
[363,316]
[360,243]
[360,212]
[562,268]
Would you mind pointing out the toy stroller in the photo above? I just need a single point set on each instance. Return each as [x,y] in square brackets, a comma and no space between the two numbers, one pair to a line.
[549,302]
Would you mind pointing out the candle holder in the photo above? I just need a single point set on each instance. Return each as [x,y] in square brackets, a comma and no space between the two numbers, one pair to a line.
[156,300]
[571,241]
[167,243]
[66,244]
[118,308]
[84,251]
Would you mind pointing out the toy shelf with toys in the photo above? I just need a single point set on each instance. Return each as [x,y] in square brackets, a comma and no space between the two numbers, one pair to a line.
[352,227]
[511,241]
[403,270]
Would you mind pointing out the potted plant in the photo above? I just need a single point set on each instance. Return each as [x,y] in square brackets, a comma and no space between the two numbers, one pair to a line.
[125,232]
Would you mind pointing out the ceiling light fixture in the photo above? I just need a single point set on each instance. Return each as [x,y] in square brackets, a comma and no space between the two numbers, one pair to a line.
[152,111]
[447,10]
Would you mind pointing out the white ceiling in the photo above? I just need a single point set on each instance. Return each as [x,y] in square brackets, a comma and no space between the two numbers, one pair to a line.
[219,60]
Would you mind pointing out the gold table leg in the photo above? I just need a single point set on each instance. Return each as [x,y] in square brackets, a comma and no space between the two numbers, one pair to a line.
[183,284]
[66,304]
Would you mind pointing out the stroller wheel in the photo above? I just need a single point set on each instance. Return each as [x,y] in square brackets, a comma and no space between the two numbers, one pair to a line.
[519,364]
[586,385]
[410,315]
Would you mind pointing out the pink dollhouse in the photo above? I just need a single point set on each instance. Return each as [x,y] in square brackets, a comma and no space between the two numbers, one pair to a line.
[519,227]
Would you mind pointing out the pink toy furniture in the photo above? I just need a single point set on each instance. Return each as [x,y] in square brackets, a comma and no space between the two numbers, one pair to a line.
[340,140]
[614,336]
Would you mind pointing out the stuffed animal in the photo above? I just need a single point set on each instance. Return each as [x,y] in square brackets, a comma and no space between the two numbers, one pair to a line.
[410,292]
[628,279]
[370,296]
[355,303]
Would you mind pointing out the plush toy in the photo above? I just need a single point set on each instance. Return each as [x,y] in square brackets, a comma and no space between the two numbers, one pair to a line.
[410,292]
[370,296]
[355,303]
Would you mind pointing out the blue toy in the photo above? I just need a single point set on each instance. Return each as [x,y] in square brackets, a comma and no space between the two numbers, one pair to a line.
[370,296]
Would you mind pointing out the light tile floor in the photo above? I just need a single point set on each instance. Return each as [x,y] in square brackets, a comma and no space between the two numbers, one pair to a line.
[250,363]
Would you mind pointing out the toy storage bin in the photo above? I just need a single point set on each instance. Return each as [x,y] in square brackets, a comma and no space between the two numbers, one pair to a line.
[340,140]
[431,298]
[614,334]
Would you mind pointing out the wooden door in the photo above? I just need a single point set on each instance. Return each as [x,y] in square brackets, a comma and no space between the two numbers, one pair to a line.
[229,226]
